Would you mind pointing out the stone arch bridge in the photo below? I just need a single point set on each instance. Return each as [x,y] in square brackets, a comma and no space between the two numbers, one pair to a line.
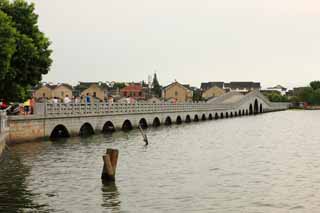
[63,120]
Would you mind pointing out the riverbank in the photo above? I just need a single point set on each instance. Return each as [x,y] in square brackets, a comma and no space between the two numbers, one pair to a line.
[4,131]
[3,139]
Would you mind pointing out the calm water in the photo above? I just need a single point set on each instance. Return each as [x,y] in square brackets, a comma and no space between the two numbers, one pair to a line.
[265,163]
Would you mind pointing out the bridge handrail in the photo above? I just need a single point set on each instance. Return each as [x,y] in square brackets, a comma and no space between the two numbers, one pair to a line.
[114,108]
[105,108]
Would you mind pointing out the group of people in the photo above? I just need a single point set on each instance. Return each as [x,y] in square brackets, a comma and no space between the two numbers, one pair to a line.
[76,99]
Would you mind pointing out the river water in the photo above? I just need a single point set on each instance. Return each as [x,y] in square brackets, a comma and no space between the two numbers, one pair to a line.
[264,163]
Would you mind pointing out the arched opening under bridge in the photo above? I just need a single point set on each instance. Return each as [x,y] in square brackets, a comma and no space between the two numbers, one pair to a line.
[156,122]
[256,107]
[178,120]
[108,127]
[168,121]
[261,108]
[196,118]
[210,117]
[216,116]
[221,115]
[127,126]
[143,123]
[86,130]
[203,118]
[188,119]
[250,109]
[60,131]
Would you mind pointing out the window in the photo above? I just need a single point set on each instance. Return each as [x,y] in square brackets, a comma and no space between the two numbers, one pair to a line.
[94,94]
[124,93]
[140,93]
[176,93]
[43,94]
[62,93]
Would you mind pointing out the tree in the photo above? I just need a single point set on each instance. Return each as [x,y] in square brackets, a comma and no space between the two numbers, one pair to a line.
[197,95]
[156,88]
[306,94]
[26,55]
[315,85]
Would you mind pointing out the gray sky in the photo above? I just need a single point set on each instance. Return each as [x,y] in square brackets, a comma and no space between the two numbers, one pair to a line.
[272,41]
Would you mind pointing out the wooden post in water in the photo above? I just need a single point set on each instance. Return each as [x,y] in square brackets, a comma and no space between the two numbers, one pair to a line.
[110,165]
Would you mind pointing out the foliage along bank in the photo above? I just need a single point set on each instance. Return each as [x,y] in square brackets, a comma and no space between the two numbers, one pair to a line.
[24,50]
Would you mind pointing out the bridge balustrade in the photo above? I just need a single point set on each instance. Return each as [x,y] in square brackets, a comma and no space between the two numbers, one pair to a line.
[114,108]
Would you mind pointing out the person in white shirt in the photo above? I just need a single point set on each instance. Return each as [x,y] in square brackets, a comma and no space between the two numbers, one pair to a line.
[66,100]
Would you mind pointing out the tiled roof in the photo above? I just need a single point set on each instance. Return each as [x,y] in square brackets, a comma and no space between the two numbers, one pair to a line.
[132,87]
[208,85]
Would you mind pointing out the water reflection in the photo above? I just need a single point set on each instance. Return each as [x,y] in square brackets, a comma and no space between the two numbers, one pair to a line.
[110,196]
[14,193]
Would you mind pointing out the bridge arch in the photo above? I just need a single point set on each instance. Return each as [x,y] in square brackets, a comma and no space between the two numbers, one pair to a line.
[108,127]
[59,131]
[221,115]
[127,125]
[235,114]
[239,112]
[256,107]
[231,114]
[143,123]
[227,115]
[168,121]
[196,118]
[250,109]
[261,108]
[156,122]
[210,117]
[247,112]
[243,112]
[178,120]
[86,130]
[216,116]
[203,118]
[188,119]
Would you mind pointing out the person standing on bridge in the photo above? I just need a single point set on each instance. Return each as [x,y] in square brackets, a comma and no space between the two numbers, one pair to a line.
[88,99]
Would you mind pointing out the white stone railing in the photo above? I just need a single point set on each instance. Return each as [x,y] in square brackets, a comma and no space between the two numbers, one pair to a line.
[60,109]
[117,108]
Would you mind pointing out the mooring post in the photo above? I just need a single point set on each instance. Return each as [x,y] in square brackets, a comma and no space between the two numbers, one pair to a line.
[110,165]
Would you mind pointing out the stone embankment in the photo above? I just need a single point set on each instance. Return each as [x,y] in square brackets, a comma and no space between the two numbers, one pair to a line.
[4,130]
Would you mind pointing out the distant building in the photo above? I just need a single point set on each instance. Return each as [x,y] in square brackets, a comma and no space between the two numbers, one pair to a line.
[278,88]
[238,86]
[207,85]
[135,91]
[48,91]
[242,86]
[212,92]
[178,92]
[296,91]
[97,90]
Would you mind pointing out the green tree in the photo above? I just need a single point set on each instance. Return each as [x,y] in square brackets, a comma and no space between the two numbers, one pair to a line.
[156,88]
[306,95]
[119,85]
[315,85]
[197,95]
[27,55]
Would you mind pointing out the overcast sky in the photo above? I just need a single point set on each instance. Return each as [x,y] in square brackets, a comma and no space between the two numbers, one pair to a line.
[271,41]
